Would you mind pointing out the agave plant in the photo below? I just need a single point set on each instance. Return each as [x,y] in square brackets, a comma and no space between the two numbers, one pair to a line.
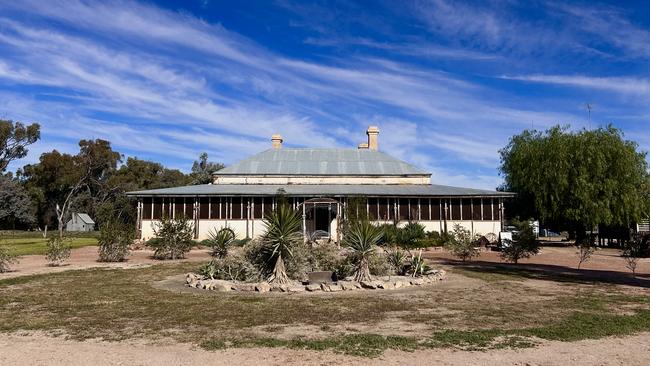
[418,265]
[220,241]
[282,234]
[396,258]
[362,237]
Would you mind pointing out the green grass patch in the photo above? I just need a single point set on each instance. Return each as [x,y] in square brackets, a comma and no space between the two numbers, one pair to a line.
[20,246]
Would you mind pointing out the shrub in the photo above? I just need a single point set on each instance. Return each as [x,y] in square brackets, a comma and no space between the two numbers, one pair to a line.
[418,265]
[220,241]
[114,241]
[462,244]
[410,235]
[231,268]
[523,245]
[379,266]
[323,257]
[361,238]
[174,238]
[6,258]
[634,249]
[396,259]
[58,250]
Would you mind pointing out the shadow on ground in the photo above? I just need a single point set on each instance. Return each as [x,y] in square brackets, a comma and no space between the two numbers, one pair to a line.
[551,272]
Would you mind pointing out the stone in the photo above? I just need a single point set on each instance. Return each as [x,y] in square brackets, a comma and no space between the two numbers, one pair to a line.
[221,287]
[296,289]
[387,285]
[417,281]
[333,287]
[244,287]
[313,287]
[349,285]
[398,284]
[279,288]
[262,287]
[369,284]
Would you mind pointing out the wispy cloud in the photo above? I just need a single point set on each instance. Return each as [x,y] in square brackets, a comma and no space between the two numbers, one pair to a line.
[628,85]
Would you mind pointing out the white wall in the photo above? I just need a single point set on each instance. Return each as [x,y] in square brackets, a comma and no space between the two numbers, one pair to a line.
[256,227]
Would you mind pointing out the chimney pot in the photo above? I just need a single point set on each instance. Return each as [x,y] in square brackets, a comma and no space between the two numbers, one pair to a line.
[373,134]
[363,145]
[277,140]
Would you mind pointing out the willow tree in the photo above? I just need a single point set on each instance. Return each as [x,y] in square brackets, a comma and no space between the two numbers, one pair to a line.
[577,180]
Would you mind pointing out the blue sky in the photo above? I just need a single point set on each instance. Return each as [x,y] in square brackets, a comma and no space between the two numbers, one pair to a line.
[447,82]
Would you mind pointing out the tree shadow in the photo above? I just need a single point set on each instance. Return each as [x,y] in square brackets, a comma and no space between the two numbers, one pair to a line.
[552,272]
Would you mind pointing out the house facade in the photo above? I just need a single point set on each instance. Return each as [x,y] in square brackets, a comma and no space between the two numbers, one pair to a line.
[321,184]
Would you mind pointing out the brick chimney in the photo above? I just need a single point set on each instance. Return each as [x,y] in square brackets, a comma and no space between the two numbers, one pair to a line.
[373,134]
[277,141]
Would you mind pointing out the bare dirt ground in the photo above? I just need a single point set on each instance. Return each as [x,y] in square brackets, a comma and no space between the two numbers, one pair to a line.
[86,257]
[43,350]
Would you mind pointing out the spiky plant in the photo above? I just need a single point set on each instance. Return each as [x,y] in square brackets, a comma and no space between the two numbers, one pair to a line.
[282,234]
[220,241]
[362,237]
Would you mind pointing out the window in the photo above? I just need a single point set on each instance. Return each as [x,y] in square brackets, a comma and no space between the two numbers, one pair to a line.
[383,209]
[215,206]
[467,208]
[204,208]
[146,208]
[425,212]
[189,207]
[237,212]
[435,209]
[495,209]
[455,209]
[403,209]
[157,208]
[373,207]
[268,205]
[476,207]
[257,207]
[178,207]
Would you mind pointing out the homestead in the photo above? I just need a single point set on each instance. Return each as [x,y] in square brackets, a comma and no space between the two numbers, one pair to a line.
[321,183]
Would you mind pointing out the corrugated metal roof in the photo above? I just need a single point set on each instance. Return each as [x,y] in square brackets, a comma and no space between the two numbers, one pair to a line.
[85,218]
[322,162]
[318,190]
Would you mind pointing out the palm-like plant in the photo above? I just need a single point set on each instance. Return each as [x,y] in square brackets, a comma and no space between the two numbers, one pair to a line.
[220,241]
[362,237]
[282,234]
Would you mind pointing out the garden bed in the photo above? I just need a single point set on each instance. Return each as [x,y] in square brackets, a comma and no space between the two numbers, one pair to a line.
[377,283]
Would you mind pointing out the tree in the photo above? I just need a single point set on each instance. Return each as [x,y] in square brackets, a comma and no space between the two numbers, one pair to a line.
[14,139]
[634,249]
[362,237]
[523,245]
[16,207]
[462,244]
[114,241]
[282,234]
[202,170]
[576,180]
[173,238]
[6,257]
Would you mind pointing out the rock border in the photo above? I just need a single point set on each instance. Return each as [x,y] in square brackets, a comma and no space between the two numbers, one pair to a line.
[378,283]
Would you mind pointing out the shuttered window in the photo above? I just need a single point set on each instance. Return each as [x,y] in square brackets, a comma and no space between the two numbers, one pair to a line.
[384,209]
[476,207]
[373,209]
[455,209]
[204,208]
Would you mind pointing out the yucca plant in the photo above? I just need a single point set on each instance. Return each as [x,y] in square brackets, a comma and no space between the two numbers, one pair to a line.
[282,234]
[362,237]
[220,241]
[418,265]
[396,258]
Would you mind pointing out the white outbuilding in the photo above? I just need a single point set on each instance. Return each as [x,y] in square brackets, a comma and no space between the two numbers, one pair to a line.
[80,222]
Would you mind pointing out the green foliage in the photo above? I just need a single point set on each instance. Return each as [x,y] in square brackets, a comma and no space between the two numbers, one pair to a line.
[523,245]
[576,180]
[282,235]
[14,139]
[231,268]
[114,241]
[378,265]
[462,243]
[173,238]
[396,258]
[634,249]
[16,207]
[323,257]
[220,241]
[362,238]
[202,170]
[58,250]
[412,235]
[418,265]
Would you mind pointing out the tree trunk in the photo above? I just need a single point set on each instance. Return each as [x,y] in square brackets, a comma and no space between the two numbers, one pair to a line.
[363,271]
[279,275]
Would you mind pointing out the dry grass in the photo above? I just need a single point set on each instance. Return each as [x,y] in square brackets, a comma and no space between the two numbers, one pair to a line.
[502,310]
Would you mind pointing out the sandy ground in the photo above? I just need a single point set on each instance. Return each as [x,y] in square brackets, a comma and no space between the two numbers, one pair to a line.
[86,257]
[42,350]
